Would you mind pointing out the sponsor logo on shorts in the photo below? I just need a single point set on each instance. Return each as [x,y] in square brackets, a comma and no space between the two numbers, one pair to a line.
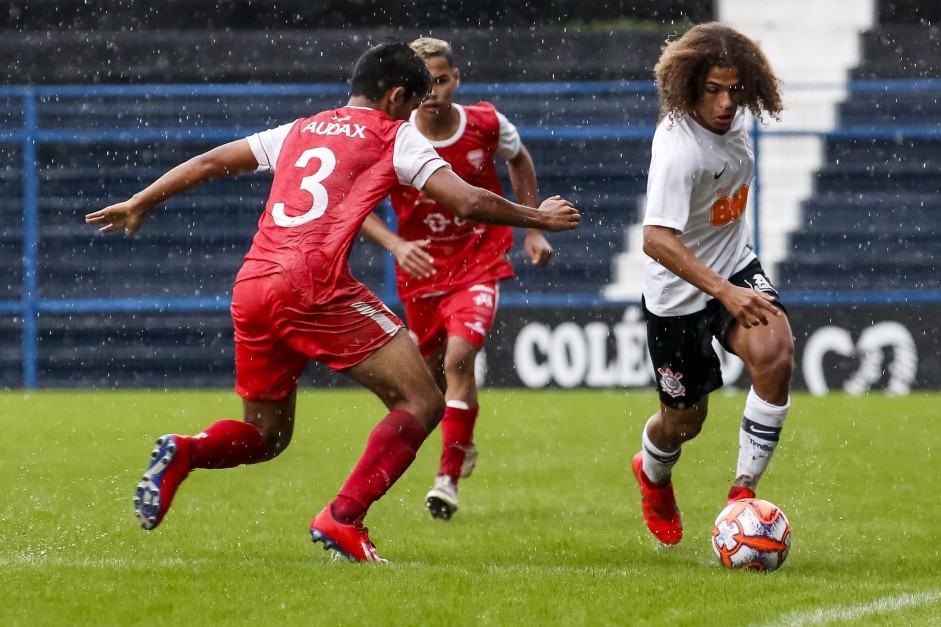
[670,382]
[761,283]
[483,299]
[476,326]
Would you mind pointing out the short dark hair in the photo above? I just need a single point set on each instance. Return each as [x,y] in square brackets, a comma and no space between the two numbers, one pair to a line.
[388,65]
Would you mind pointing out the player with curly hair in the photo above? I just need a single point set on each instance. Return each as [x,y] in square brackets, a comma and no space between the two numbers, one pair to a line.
[702,278]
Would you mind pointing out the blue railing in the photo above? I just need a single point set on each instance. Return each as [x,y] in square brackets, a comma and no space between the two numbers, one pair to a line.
[29,132]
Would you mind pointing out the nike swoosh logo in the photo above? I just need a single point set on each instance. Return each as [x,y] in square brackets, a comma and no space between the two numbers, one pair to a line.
[719,173]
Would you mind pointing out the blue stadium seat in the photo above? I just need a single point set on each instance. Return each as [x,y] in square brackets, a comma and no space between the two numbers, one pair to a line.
[874,219]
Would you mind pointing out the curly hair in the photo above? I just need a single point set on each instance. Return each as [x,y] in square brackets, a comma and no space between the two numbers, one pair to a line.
[681,72]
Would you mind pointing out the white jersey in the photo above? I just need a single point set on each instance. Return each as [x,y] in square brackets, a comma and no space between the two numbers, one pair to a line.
[698,185]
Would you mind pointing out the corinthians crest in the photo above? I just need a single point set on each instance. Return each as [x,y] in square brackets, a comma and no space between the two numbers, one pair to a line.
[670,382]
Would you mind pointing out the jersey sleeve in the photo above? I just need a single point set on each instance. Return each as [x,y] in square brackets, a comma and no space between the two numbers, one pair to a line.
[669,182]
[266,146]
[510,142]
[413,157]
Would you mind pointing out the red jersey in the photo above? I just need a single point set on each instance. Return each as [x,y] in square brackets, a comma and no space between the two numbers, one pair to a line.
[330,171]
[465,252]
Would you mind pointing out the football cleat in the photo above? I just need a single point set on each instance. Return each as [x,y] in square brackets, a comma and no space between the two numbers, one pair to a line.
[470,461]
[739,492]
[658,505]
[350,541]
[441,500]
[169,466]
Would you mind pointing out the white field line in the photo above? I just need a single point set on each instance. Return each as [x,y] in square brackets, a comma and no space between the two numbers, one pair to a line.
[855,612]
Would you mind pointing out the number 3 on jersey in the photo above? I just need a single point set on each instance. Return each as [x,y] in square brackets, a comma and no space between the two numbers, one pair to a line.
[309,184]
[727,209]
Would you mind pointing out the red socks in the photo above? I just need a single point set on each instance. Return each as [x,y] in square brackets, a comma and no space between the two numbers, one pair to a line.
[226,444]
[457,433]
[390,449]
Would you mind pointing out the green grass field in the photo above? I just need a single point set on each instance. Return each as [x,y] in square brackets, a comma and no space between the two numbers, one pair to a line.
[549,531]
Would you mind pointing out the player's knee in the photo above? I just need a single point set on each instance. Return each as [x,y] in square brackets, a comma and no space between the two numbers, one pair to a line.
[460,364]
[684,426]
[276,441]
[687,429]
[776,360]
[435,408]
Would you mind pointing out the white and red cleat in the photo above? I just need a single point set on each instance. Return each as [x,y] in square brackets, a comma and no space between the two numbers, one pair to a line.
[350,541]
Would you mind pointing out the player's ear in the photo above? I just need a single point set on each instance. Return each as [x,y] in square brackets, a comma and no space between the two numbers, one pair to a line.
[396,95]
[457,76]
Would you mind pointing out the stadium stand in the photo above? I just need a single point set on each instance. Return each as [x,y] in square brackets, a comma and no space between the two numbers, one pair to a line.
[873,220]
[590,144]
[869,224]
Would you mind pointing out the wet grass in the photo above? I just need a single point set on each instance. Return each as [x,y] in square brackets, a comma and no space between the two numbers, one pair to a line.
[549,531]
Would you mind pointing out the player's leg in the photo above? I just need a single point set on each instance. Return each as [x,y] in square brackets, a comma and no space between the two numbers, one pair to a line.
[768,353]
[262,435]
[460,415]
[266,372]
[397,374]
[661,445]
[435,363]
[686,369]
[467,316]
[457,428]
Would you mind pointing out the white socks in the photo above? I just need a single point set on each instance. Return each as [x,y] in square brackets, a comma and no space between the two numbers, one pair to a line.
[658,464]
[759,435]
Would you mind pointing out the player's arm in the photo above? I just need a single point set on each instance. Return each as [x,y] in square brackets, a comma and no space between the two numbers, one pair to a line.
[522,172]
[411,256]
[230,158]
[473,203]
[748,306]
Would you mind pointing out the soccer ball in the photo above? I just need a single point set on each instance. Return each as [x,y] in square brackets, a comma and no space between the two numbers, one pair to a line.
[751,534]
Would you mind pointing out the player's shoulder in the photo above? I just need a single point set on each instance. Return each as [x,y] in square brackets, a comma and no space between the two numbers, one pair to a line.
[674,130]
[483,116]
[483,105]
[481,109]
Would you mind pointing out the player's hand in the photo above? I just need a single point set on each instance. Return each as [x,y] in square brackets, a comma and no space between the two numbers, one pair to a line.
[124,216]
[750,307]
[561,215]
[412,257]
[537,247]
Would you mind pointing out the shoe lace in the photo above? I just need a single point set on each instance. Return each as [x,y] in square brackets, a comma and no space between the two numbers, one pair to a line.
[364,536]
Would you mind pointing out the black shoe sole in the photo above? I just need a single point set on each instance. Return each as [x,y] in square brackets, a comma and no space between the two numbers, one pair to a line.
[439,509]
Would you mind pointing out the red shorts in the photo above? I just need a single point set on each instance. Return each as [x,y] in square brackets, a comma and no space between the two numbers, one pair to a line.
[467,312]
[276,334]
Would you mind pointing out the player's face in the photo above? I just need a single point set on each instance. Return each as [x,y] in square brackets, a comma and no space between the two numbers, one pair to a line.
[721,97]
[444,80]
